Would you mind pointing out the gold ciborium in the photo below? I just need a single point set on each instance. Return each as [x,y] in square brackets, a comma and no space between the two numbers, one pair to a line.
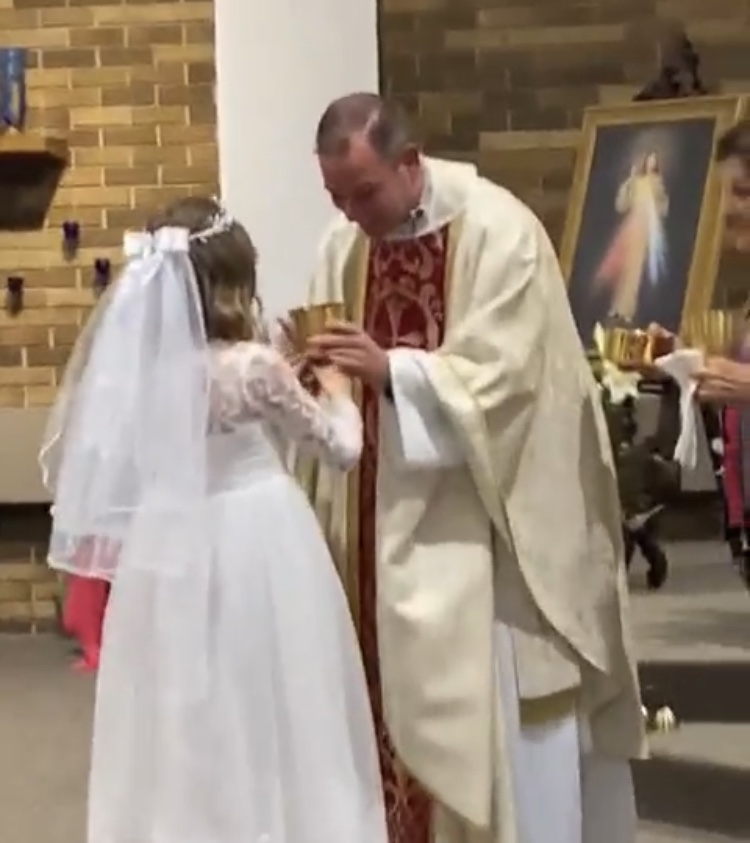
[715,332]
[627,348]
[313,320]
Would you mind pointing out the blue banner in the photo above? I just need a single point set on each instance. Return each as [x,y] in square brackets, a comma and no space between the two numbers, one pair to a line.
[13,87]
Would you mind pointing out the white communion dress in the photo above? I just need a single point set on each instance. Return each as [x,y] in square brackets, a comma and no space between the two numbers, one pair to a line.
[281,747]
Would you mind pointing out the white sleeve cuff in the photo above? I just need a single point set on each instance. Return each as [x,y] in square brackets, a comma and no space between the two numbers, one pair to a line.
[426,435]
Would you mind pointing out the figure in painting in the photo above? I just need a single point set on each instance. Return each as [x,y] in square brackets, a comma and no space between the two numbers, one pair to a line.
[638,250]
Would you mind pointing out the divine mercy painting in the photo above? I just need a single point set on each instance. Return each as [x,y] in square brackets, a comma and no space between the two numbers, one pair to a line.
[637,252]
[641,245]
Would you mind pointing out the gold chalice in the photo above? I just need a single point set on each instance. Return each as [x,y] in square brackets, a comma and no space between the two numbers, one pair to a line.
[313,320]
[610,342]
[715,332]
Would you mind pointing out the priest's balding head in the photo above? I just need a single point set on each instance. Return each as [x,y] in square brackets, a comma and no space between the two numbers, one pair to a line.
[370,162]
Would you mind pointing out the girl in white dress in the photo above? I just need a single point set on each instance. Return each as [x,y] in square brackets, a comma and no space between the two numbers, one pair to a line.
[231,702]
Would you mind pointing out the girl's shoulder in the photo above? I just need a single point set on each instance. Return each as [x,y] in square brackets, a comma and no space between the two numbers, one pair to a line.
[245,354]
[242,348]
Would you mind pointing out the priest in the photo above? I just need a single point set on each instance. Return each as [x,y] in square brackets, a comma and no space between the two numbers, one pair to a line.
[480,540]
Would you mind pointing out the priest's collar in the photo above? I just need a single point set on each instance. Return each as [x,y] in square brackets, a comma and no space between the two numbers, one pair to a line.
[418,222]
[440,202]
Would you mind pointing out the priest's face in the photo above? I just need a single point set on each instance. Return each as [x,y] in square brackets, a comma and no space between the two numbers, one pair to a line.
[736,178]
[375,192]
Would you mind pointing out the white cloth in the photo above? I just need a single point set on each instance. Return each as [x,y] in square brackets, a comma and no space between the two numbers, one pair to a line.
[586,798]
[282,748]
[426,435]
[682,365]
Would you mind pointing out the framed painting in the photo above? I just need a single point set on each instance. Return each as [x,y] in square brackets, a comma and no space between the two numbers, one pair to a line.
[643,233]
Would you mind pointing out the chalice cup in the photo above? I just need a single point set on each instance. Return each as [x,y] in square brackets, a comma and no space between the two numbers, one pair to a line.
[311,321]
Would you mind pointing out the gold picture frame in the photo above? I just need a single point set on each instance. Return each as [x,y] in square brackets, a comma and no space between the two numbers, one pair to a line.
[645,131]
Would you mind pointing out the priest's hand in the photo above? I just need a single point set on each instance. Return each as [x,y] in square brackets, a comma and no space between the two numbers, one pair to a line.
[354,352]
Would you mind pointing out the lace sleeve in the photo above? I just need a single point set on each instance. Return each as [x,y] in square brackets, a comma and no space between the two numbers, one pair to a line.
[330,428]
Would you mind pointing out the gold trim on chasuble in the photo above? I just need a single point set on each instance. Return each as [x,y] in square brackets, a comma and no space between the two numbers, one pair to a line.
[399,787]
[355,290]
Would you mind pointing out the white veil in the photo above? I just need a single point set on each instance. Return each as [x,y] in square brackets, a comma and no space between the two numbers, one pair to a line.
[126,451]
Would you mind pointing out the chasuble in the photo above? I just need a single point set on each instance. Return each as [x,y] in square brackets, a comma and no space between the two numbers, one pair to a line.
[486,492]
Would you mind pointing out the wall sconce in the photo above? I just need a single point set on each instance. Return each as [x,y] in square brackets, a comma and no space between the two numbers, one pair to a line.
[14,294]
[102,274]
[71,238]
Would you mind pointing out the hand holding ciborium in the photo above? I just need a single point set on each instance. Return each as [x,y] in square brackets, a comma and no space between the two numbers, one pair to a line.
[714,332]
[305,323]
[630,349]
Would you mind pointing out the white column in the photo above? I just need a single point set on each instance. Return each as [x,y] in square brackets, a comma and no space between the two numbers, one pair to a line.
[279,63]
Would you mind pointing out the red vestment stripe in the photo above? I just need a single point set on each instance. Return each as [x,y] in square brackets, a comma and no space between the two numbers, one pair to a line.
[404,306]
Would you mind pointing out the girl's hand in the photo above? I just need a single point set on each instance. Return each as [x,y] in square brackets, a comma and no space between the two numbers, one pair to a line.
[305,372]
[332,381]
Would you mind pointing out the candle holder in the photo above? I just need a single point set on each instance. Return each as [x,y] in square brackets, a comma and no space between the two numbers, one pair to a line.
[14,294]
[102,274]
[715,332]
[71,239]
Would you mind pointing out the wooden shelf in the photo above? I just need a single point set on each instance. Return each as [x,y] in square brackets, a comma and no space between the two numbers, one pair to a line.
[32,144]
[31,166]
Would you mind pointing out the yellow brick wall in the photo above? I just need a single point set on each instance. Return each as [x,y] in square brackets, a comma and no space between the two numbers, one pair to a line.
[130,84]
[28,590]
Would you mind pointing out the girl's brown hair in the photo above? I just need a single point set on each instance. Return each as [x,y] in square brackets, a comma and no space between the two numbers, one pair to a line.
[225,267]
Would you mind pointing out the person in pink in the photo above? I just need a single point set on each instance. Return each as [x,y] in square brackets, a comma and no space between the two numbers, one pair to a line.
[84,605]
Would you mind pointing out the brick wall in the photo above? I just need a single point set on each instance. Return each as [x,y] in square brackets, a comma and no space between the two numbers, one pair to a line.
[130,84]
[504,82]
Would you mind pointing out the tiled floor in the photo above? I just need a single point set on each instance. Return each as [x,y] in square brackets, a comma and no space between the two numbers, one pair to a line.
[669,834]
[45,709]
[702,614]
[45,712]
